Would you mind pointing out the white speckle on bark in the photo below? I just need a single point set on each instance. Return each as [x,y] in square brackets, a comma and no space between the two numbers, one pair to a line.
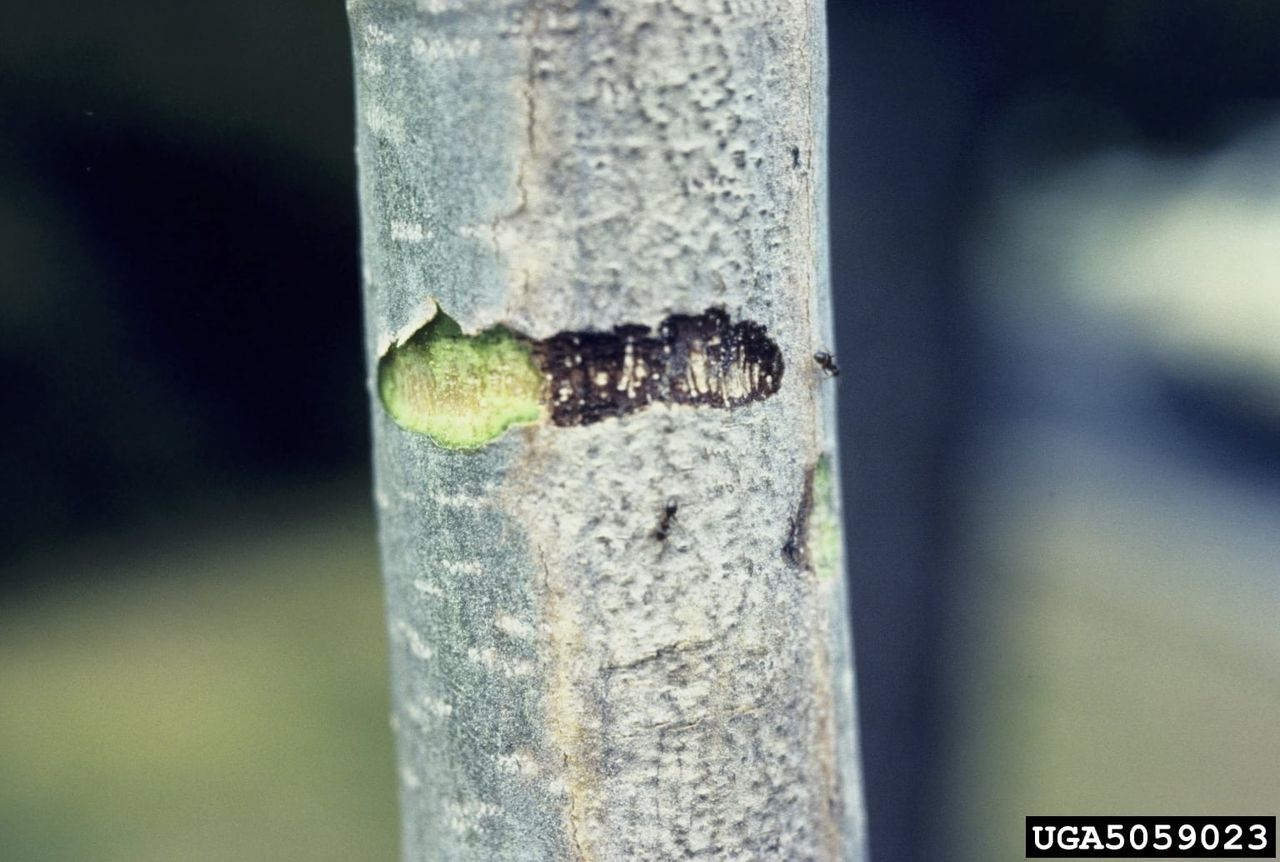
[437,707]
[385,124]
[462,568]
[407,231]
[377,36]
[433,48]
[427,588]
[520,763]
[418,645]
[440,7]
[515,628]
[469,816]
[459,501]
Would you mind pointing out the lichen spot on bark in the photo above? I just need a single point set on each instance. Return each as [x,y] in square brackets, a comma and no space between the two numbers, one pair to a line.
[460,390]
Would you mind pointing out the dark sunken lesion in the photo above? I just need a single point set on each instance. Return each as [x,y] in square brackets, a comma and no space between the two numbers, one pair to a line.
[702,360]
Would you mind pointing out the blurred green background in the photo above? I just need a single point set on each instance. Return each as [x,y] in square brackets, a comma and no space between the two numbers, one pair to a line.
[203,693]
[1056,268]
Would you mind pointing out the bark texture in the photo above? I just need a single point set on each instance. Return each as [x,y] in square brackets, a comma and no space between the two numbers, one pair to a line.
[610,640]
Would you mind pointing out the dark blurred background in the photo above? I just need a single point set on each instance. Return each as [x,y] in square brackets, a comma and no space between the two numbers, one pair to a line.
[1056,234]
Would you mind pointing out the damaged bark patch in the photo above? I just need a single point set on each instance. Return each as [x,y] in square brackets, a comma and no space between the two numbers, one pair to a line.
[813,532]
[796,548]
[460,390]
[465,390]
[701,360]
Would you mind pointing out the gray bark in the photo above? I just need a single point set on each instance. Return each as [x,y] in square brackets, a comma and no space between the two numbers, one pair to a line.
[616,640]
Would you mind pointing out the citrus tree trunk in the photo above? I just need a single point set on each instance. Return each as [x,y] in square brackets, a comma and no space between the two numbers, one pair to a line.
[595,285]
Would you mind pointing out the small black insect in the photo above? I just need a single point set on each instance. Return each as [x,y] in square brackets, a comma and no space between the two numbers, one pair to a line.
[827,363]
[664,523]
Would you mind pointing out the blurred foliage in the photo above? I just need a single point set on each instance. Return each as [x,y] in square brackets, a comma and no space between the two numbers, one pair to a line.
[1172,69]
[216,696]
[1126,657]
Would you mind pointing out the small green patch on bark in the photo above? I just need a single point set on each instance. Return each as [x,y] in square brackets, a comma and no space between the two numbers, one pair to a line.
[824,528]
[460,390]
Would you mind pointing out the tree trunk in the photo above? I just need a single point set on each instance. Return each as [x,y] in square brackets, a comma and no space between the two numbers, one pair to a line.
[595,283]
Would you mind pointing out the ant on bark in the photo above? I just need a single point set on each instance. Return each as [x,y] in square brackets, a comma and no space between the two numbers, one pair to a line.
[668,518]
[827,363]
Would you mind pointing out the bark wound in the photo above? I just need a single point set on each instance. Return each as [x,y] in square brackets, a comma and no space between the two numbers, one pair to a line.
[796,547]
[465,390]
[813,532]
[701,360]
